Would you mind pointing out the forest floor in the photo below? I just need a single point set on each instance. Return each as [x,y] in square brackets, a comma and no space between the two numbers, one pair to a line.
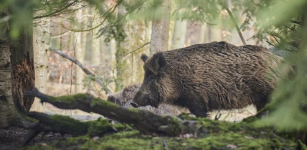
[12,138]
[216,135]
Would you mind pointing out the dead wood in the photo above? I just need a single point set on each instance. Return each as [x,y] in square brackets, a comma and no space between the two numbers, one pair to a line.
[144,121]
[67,125]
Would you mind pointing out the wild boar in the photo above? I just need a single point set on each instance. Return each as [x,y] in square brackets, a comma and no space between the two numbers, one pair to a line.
[124,98]
[207,77]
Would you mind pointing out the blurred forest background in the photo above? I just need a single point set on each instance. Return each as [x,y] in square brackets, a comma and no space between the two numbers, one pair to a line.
[79,34]
[109,36]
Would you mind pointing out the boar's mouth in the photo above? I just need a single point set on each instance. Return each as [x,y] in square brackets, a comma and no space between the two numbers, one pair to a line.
[133,104]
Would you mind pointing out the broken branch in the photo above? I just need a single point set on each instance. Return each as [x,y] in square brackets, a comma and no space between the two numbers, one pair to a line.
[86,71]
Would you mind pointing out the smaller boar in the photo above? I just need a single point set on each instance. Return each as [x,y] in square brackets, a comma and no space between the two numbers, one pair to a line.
[208,77]
[124,98]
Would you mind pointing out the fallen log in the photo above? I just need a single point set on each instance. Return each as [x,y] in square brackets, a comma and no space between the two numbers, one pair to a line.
[144,121]
[67,125]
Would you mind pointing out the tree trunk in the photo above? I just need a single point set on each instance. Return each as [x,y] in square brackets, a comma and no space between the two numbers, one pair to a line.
[120,62]
[214,34]
[179,34]
[159,31]
[203,33]
[22,67]
[96,56]
[6,100]
[79,55]
[41,44]
[8,114]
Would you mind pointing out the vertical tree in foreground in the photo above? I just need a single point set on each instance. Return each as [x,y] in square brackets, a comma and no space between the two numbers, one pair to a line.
[22,62]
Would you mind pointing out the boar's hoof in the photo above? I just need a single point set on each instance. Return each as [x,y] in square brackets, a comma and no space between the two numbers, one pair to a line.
[133,104]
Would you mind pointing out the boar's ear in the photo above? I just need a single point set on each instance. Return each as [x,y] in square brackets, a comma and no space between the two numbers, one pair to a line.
[144,57]
[158,62]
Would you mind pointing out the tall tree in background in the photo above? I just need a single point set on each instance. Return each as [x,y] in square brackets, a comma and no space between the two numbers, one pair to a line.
[180,29]
[160,30]
[120,49]
[41,44]
[79,52]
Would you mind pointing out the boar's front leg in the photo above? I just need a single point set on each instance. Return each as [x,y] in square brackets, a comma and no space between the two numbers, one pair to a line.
[199,111]
[195,103]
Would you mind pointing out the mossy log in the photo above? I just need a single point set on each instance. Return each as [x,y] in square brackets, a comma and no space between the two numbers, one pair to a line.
[67,125]
[144,121]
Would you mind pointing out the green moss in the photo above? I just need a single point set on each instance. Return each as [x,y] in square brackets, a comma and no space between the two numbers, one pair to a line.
[68,98]
[98,101]
[133,110]
[210,135]
[174,126]
[103,126]
[68,124]
[133,140]
[301,145]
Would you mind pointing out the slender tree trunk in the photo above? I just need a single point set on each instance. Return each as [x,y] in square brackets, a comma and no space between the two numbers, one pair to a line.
[214,34]
[96,58]
[120,62]
[203,33]
[41,44]
[79,52]
[160,30]
[119,67]
[179,34]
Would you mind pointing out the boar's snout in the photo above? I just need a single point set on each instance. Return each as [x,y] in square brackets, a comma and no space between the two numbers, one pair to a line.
[133,104]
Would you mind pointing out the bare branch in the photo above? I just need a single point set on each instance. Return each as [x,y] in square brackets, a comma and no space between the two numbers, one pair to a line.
[86,71]
[137,49]
[233,21]
[110,11]
[57,11]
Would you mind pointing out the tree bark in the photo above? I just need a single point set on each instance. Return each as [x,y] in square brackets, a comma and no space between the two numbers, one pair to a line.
[9,116]
[41,44]
[160,30]
[6,100]
[22,64]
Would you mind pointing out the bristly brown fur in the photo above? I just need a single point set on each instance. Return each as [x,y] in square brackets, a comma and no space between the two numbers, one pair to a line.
[206,77]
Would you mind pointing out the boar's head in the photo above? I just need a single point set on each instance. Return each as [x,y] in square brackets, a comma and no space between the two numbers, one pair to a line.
[157,86]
